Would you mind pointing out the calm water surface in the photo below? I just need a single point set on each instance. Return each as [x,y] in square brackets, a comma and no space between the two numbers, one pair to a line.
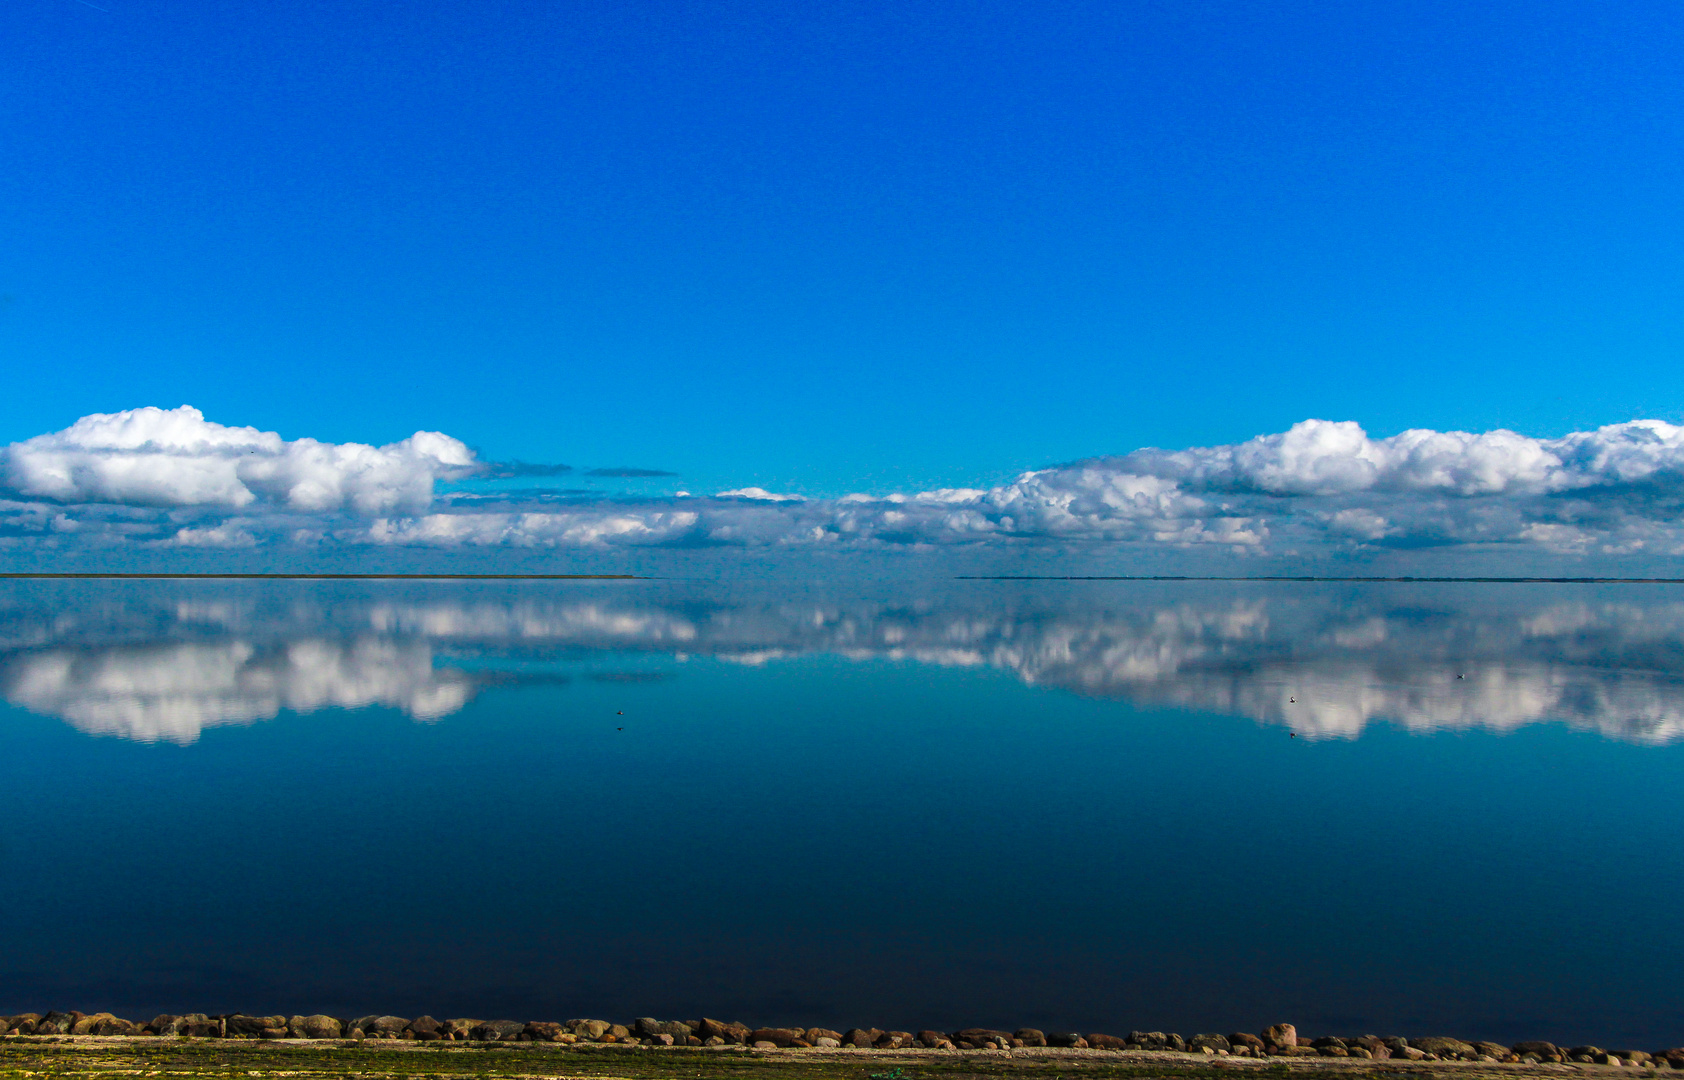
[1188,806]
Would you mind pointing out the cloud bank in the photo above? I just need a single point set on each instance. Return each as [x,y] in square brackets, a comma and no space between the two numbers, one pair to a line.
[171,478]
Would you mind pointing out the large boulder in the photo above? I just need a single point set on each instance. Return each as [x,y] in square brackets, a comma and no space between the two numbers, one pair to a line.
[814,1034]
[23,1023]
[1445,1047]
[894,1040]
[864,1038]
[498,1030]
[1071,1040]
[1212,1042]
[384,1027]
[727,1030]
[423,1025]
[102,1023]
[57,1023]
[1099,1041]
[934,1040]
[1491,1049]
[589,1029]
[1280,1035]
[200,1026]
[1148,1040]
[647,1027]
[1031,1036]
[317,1026]
[460,1029]
[782,1037]
[978,1036]
[545,1031]
[1247,1040]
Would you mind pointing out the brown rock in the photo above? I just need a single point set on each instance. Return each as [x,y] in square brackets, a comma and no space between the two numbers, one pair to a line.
[1241,1038]
[730,1032]
[543,1030]
[589,1029]
[713,1040]
[1445,1047]
[933,1038]
[781,1037]
[864,1038]
[978,1036]
[1100,1041]
[1280,1035]
[813,1035]
[894,1040]
[764,1044]
[662,1039]
[1032,1036]
[460,1029]
[421,1025]
[1200,1042]
[1492,1050]
[1070,1039]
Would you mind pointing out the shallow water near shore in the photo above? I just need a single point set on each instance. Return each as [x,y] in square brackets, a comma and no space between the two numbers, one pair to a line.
[1398,808]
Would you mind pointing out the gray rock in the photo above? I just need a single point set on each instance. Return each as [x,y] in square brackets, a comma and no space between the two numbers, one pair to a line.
[1492,1050]
[1214,1042]
[423,1025]
[1540,1050]
[1149,1040]
[658,1040]
[646,1026]
[460,1029]
[827,1042]
[498,1030]
[200,1026]
[57,1023]
[589,1029]
[385,1027]
[764,1044]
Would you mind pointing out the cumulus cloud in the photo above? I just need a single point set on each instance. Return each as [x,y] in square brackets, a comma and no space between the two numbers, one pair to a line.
[171,458]
[169,477]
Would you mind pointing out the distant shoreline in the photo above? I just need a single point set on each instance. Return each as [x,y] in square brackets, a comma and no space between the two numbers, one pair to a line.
[1260,577]
[329,577]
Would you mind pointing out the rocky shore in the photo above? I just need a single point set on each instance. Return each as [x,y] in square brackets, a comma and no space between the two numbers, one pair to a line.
[1280,1040]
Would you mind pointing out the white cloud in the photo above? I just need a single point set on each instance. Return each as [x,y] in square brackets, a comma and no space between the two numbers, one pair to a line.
[171,478]
[176,458]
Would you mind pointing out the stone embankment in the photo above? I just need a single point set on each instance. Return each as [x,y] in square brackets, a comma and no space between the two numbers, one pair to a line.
[1281,1040]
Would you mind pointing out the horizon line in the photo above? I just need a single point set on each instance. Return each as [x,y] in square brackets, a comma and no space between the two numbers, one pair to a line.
[336,577]
[1281,577]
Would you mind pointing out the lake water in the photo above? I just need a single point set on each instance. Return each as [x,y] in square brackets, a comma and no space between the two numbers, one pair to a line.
[1392,808]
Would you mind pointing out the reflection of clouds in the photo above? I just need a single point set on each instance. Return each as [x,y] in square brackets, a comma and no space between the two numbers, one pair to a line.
[173,691]
[1325,662]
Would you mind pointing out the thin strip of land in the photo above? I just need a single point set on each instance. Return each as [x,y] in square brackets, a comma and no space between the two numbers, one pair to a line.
[107,1058]
[1264,577]
[322,577]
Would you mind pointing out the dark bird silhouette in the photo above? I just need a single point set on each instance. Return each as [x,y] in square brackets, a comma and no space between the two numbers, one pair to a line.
[1461,676]
[1294,735]
[1292,701]
[619,729]
[622,712]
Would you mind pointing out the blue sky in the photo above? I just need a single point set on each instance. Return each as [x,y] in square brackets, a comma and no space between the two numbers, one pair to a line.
[823,249]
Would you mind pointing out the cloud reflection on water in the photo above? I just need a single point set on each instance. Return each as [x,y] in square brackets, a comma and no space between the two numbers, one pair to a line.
[1324,661]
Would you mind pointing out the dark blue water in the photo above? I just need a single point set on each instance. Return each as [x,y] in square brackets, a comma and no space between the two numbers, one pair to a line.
[1196,807]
